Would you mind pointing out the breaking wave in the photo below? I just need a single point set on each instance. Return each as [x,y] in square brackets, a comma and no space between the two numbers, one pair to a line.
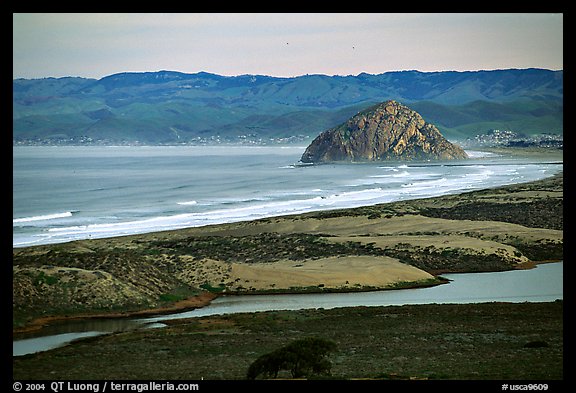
[43,217]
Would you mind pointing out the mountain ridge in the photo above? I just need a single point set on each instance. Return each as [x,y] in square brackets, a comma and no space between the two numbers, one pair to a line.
[148,106]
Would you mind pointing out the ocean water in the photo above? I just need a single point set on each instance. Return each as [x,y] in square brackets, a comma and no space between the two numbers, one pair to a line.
[64,193]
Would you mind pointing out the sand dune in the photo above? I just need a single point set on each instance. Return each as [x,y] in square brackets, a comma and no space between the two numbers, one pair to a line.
[352,272]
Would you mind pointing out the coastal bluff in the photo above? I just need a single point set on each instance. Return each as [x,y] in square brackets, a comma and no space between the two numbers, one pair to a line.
[387,131]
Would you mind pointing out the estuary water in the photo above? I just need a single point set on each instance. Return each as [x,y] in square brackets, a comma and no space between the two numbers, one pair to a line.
[541,284]
[64,193]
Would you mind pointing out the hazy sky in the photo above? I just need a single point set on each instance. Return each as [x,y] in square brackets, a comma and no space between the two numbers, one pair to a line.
[96,45]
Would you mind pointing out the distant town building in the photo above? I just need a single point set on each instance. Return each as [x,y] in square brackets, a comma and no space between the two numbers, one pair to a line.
[508,138]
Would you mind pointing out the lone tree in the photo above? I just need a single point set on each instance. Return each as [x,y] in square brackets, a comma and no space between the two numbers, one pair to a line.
[302,358]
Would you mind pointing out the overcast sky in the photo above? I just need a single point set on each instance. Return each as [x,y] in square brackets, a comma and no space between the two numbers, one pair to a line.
[96,45]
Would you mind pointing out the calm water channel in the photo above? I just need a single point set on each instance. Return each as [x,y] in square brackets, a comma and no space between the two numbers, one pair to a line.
[541,284]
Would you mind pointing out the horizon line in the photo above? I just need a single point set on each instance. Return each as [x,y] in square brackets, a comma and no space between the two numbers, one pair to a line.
[285,77]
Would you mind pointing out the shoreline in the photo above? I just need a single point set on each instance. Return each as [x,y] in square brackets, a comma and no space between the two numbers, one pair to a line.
[205,298]
[189,304]
[467,232]
[202,300]
[554,157]
[429,342]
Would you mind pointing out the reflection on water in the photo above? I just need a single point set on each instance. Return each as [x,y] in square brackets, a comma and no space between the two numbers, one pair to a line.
[38,344]
[58,334]
[86,325]
[541,284]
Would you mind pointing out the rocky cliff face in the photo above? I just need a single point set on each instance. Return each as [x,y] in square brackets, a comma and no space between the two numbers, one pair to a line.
[387,131]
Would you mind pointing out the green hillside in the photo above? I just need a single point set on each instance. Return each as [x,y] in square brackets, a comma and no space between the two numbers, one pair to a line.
[174,107]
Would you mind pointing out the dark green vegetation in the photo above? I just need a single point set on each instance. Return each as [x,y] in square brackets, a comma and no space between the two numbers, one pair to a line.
[523,213]
[173,107]
[538,204]
[264,247]
[521,341]
[303,358]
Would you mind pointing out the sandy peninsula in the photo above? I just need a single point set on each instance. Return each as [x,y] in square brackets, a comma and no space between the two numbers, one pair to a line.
[347,272]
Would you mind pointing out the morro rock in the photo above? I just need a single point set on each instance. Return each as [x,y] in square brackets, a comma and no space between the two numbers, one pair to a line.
[387,131]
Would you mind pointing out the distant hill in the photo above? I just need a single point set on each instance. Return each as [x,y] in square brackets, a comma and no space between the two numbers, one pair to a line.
[172,107]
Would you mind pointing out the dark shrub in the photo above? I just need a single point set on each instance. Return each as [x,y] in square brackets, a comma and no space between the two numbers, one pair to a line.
[536,344]
[302,358]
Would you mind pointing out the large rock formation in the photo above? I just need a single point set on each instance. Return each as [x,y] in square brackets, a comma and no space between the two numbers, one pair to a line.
[387,131]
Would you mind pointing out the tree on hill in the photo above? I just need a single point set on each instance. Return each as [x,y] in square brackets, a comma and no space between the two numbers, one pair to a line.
[303,358]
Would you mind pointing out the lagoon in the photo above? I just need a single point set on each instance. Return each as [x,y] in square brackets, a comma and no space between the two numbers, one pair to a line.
[541,284]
